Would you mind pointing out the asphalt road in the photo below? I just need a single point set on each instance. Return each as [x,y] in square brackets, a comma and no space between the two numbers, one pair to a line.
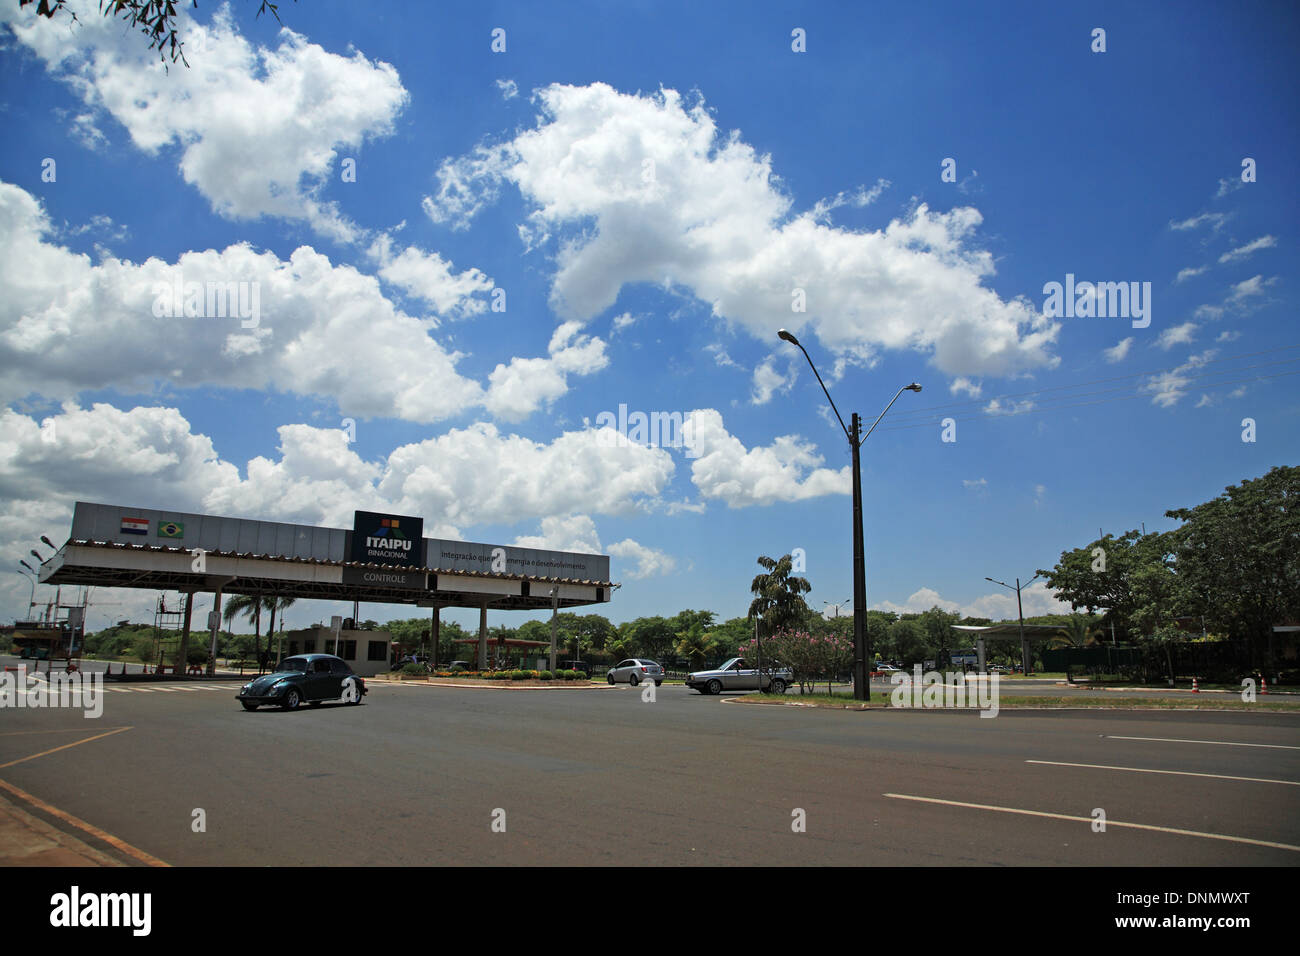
[417,775]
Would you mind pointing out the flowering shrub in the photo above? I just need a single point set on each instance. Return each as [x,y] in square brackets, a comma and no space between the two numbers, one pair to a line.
[810,657]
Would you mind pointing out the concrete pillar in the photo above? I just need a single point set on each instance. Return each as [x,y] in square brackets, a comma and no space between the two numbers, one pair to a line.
[433,636]
[482,635]
[979,653]
[183,653]
[216,629]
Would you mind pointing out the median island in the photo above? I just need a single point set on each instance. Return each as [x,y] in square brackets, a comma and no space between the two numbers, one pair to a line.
[501,678]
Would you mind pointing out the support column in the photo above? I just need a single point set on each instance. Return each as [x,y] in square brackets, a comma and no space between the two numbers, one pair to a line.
[979,653]
[216,629]
[182,655]
[216,625]
[482,635]
[433,636]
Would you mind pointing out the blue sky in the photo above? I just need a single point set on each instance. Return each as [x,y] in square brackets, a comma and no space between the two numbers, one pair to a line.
[646,192]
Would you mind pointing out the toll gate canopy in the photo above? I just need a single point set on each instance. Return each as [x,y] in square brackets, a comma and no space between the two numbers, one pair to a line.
[382,559]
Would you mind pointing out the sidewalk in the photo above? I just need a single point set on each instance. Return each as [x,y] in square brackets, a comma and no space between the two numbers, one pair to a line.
[28,841]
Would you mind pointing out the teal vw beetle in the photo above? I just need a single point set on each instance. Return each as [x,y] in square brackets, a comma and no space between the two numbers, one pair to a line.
[313,678]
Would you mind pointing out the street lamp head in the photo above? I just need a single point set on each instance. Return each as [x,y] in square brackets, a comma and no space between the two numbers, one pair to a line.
[26,565]
[48,542]
[783,334]
[911,388]
[36,555]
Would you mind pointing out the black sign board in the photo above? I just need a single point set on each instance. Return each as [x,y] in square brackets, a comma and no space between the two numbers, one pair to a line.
[376,578]
[387,539]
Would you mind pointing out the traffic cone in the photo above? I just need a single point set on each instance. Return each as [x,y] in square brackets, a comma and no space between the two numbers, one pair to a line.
[1263,684]
[1196,688]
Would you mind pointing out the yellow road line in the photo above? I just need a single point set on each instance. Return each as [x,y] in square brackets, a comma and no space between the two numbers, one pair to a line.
[93,830]
[77,743]
[70,730]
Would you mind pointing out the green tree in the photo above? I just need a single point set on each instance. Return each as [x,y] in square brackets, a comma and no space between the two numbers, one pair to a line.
[729,635]
[650,636]
[695,644]
[155,18]
[1100,575]
[1238,557]
[250,606]
[778,600]
[936,625]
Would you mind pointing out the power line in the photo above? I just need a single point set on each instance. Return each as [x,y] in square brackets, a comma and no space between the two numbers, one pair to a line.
[905,415]
[1037,410]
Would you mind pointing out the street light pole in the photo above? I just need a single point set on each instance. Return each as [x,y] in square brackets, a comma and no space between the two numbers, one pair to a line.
[1024,648]
[31,600]
[861,640]
[861,648]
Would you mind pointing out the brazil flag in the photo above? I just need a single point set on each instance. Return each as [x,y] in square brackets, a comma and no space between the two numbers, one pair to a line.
[171,529]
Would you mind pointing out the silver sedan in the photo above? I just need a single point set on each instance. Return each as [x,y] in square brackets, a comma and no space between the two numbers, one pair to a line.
[634,670]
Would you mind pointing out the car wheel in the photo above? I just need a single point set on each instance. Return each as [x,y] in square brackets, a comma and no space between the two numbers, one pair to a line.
[778,686]
[634,680]
[610,678]
[659,683]
[351,692]
[249,705]
[715,686]
[292,699]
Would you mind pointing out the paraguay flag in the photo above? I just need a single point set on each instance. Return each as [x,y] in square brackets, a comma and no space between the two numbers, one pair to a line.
[135,525]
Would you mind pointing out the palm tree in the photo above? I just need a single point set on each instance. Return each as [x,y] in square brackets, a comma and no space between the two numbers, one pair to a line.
[250,605]
[280,604]
[695,644]
[1078,631]
[779,600]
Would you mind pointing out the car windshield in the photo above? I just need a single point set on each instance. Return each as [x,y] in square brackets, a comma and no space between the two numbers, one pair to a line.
[297,665]
[734,662]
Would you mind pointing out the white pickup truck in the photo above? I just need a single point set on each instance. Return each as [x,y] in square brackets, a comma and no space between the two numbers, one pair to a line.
[736,674]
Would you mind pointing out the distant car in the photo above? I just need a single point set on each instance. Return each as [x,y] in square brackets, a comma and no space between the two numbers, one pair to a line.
[309,678]
[997,669]
[459,666]
[576,666]
[634,670]
[885,670]
[736,674]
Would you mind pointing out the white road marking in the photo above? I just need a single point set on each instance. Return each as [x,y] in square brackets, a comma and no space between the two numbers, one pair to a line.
[1217,743]
[142,690]
[1089,820]
[1176,773]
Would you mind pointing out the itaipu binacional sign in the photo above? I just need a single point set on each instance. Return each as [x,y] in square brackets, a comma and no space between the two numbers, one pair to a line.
[387,539]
